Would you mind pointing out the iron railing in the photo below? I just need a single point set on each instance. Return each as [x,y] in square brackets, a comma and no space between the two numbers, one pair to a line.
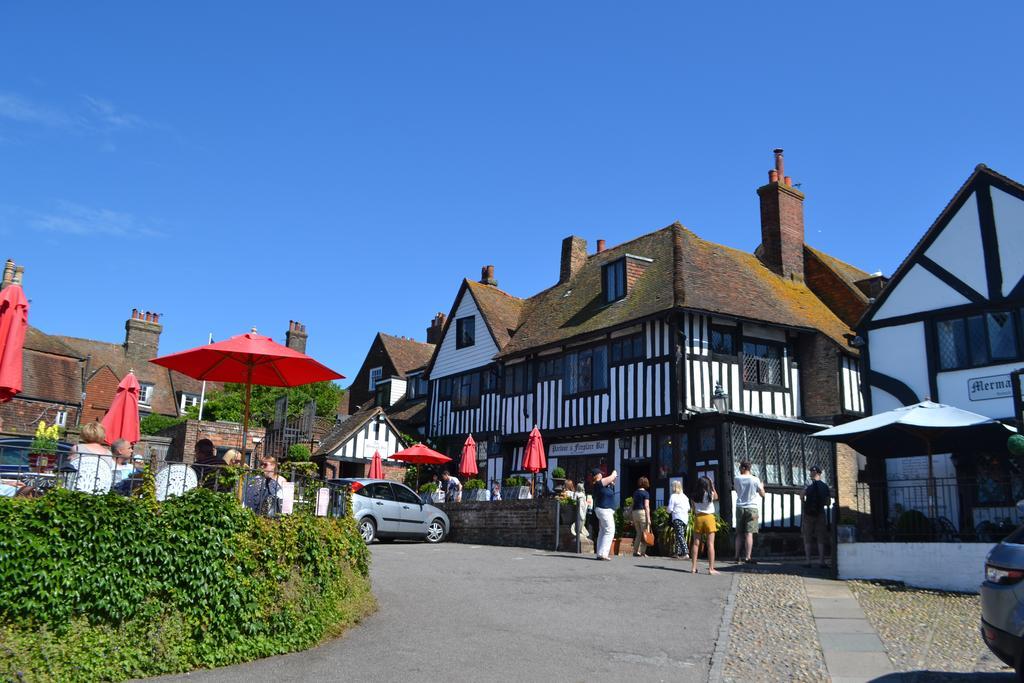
[954,509]
[291,490]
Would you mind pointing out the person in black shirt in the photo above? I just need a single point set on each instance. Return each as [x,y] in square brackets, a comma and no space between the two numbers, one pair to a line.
[641,515]
[814,523]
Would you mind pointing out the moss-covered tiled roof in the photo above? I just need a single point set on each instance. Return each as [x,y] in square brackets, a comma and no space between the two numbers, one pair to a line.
[501,310]
[686,272]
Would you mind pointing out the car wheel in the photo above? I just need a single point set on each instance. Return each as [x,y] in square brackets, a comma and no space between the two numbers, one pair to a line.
[435,531]
[367,529]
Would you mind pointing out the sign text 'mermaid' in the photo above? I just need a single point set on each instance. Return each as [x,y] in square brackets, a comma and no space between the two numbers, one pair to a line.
[984,388]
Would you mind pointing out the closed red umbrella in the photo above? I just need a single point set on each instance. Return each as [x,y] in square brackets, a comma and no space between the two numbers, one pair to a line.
[467,465]
[376,468]
[248,359]
[418,454]
[122,420]
[13,326]
[534,459]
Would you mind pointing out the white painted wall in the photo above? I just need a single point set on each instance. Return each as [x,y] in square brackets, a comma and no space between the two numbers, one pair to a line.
[954,390]
[899,352]
[1009,215]
[450,360]
[959,250]
[941,566]
[919,291]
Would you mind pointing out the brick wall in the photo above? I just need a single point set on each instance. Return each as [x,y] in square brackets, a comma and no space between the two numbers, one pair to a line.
[634,269]
[819,378]
[359,391]
[846,476]
[836,294]
[99,394]
[574,256]
[21,416]
[520,523]
[223,434]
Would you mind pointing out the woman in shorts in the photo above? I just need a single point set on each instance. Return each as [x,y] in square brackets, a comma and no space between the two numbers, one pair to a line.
[704,524]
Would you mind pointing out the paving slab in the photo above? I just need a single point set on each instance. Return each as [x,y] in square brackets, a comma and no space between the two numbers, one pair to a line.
[844,626]
[857,664]
[829,608]
[850,642]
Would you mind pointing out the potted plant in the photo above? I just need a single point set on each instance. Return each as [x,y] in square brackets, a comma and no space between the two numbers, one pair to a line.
[558,477]
[475,489]
[624,531]
[516,488]
[43,449]
[664,533]
[430,494]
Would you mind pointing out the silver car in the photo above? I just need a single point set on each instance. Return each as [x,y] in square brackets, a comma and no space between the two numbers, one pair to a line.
[1002,601]
[386,510]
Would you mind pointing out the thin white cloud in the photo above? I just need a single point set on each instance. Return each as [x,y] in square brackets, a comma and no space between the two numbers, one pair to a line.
[70,218]
[17,108]
[106,113]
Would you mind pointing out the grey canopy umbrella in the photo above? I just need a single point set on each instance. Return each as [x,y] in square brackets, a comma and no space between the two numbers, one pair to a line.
[921,429]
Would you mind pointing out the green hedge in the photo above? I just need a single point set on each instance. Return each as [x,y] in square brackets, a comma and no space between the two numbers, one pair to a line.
[108,588]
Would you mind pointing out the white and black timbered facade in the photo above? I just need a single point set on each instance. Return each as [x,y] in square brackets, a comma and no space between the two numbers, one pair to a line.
[641,359]
[949,325]
[346,451]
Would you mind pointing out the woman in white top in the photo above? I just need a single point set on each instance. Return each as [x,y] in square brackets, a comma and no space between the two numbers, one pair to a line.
[679,509]
[704,524]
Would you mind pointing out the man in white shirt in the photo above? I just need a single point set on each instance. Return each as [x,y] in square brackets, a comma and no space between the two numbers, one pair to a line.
[452,487]
[747,488]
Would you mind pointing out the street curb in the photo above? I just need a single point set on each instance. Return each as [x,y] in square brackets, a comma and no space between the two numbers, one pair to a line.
[722,642]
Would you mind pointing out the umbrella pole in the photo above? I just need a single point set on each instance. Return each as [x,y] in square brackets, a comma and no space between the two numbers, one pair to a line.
[245,428]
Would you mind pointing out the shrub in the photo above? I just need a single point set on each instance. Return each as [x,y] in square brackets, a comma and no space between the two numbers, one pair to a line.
[473,484]
[516,481]
[412,476]
[429,487]
[154,424]
[558,473]
[109,588]
[298,452]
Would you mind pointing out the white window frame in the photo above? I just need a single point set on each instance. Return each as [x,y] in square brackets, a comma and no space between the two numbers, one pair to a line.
[146,393]
[375,375]
[187,400]
[61,419]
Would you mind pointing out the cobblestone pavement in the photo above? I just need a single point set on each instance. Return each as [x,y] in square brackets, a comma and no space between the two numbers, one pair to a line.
[927,630]
[773,637]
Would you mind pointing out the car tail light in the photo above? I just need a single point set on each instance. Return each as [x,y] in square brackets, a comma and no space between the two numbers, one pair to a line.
[1002,576]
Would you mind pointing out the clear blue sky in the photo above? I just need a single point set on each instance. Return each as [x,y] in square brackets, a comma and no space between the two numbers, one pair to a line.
[239,164]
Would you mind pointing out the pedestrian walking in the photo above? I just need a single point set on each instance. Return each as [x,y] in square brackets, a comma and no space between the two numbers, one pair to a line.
[604,510]
[748,487]
[452,487]
[704,524]
[679,513]
[814,521]
[641,515]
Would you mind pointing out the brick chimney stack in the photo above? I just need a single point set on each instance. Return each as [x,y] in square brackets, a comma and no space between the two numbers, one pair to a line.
[436,328]
[8,277]
[782,223]
[487,276]
[574,256]
[295,338]
[142,337]
[600,246]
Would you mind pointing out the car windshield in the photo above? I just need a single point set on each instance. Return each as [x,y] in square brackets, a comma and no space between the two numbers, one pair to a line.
[1017,537]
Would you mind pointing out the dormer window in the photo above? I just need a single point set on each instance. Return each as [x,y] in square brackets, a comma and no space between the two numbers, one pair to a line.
[613,278]
[465,332]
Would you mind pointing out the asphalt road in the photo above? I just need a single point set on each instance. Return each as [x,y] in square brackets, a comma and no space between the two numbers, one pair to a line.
[481,613]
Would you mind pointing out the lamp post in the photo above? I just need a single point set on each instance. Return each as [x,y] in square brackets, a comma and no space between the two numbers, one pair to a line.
[720,399]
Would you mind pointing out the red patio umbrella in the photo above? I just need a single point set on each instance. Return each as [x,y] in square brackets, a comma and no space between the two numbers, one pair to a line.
[248,359]
[418,454]
[376,468]
[122,420]
[13,325]
[534,459]
[467,465]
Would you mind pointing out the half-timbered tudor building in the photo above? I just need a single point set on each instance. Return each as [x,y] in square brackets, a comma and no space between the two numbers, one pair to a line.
[347,450]
[949,327]
[666,356]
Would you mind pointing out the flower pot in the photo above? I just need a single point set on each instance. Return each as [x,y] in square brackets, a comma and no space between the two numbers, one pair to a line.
[625,546]
[615,546]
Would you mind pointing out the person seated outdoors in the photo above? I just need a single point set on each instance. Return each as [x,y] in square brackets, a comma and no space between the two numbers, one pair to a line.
[121,449]
[92,441]
[263,492]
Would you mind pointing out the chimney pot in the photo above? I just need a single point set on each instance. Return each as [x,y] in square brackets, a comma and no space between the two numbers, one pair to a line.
[487,276]
[156,317]
[773,176]
[8,276]
[779,164]
[789,181]
[19,275]
[600,246]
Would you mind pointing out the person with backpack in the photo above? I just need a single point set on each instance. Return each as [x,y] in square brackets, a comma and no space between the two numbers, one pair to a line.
[814,522]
